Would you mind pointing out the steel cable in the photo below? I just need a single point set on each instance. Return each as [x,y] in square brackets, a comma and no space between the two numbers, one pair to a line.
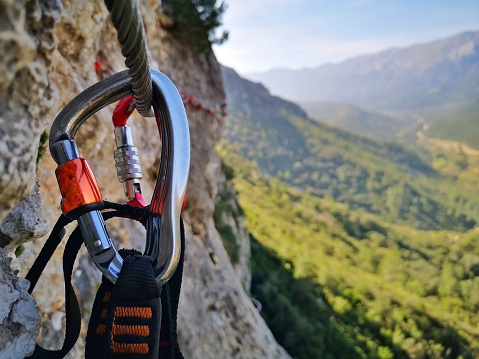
[128,22]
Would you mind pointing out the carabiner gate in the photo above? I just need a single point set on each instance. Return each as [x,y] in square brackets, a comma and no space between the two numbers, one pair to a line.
[81,197]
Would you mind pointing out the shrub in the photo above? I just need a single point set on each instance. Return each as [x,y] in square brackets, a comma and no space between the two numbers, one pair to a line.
[196,22]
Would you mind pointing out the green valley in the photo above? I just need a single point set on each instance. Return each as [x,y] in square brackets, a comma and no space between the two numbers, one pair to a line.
[458,124]
[361,248]
[385,178]
[356,120]
[342,283]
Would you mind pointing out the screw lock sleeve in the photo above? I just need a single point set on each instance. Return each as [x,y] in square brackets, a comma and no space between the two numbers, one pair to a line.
[78,185]
[127,160]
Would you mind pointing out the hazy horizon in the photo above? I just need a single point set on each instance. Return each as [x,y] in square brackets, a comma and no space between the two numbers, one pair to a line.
[299,34]
[353,57]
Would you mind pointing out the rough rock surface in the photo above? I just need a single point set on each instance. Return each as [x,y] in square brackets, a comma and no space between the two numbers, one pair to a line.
[230,223]
[19,318]
[59,43]
[25,222]
[26,97]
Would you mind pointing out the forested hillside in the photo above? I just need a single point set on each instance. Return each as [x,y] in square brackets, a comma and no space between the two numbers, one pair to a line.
[356,120]
[360,248]
[457,124]
[340,283]
[384,178]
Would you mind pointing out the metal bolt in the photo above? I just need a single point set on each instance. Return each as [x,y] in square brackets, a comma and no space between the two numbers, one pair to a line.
[97,243]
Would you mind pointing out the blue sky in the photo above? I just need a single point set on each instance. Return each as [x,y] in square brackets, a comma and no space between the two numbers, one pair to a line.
[267,34]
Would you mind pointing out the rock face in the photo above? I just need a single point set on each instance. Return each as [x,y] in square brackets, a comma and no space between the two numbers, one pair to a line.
[19,319]
[52,46]
[25,222]
[230,224]
[26,97]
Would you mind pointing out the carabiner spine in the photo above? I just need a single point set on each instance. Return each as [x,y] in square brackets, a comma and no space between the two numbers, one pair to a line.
[163,244]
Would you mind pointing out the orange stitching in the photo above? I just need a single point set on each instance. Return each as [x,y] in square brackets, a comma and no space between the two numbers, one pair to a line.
[103,314]
[100,330]
[130,348]
[142,312]
[106,297]
[138,330]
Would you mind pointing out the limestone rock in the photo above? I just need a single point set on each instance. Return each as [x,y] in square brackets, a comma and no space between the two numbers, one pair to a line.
[230,224]
[216,317]
[26,41]
[19,318]
[24,223]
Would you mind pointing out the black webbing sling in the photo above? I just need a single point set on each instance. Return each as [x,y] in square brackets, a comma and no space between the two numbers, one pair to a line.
[133,318]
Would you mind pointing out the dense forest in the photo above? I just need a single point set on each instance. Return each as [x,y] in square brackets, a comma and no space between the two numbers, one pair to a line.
[412,186]
[337,282]
[360,248]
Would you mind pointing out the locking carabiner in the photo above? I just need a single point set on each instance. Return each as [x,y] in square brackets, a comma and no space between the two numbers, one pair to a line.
[81,197]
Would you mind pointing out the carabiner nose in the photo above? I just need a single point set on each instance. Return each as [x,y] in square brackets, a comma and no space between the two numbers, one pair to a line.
[81,196]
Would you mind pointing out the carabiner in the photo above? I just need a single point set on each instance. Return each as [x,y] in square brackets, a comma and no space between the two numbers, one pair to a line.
[81,197]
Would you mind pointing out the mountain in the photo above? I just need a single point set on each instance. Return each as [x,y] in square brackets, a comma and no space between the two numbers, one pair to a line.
[415,77]
[360,248]
[383,178]
[457,124]
[355,119]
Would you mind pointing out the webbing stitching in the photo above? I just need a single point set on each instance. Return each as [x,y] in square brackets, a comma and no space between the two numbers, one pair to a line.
[136,330]
[130,348]
[103,313]
[101,329]
[142,312]
[106,297]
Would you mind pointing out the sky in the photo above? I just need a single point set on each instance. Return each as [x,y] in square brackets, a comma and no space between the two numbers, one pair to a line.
[295,34]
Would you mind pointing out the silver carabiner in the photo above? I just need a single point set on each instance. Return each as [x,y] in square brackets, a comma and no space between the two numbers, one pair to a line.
[163,240]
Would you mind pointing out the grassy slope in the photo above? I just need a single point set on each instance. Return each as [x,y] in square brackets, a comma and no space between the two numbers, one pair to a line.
[351,282]
[354,119]
[458,125]
[365,248]
[383,178]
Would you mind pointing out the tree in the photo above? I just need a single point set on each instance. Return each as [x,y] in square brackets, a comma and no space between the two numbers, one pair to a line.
[196,21]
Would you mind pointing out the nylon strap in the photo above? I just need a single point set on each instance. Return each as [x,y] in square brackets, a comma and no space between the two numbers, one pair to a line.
[73,317]
[170,297]
[126,317]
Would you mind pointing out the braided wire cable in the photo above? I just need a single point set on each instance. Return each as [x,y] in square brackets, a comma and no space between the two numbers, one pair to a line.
[128,22]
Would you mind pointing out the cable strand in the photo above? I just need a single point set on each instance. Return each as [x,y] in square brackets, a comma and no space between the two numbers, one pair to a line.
[128,22]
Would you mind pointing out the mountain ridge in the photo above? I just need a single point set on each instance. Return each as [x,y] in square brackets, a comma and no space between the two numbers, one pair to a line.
[352,118]
[327,161]
[413,77]
[364,246]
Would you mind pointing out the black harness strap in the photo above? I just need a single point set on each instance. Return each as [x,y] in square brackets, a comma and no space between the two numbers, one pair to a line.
[46,253]
[73,317]
[126,317]
[170,297]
